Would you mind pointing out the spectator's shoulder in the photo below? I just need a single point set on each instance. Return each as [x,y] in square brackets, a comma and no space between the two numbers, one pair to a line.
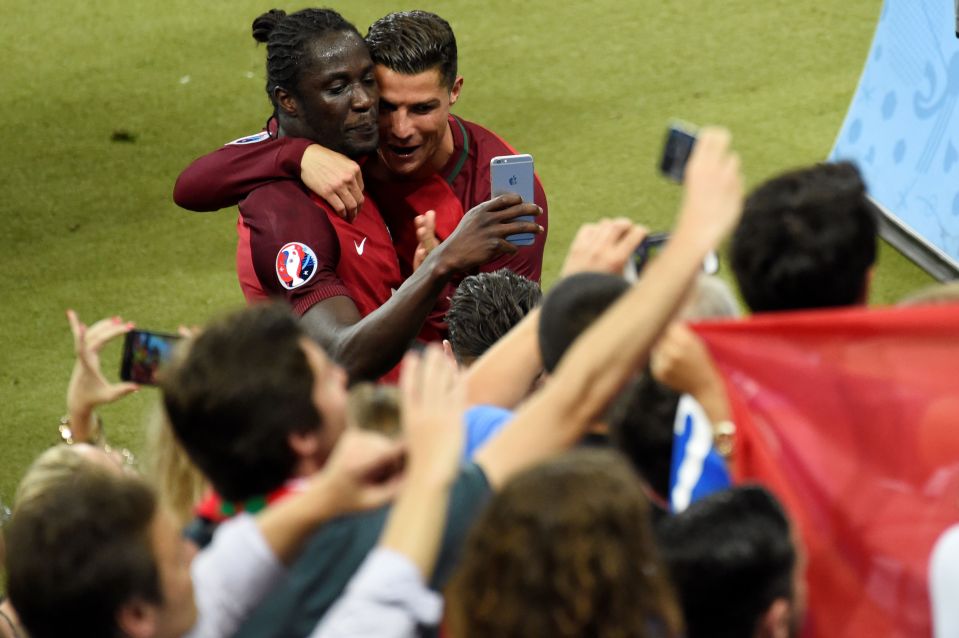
[469,494]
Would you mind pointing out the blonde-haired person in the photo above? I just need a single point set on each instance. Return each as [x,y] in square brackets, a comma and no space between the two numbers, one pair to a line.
[80,430]
[179,485]
[177,481]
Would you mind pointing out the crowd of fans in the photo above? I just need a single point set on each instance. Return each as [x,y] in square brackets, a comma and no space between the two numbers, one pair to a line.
[516,481]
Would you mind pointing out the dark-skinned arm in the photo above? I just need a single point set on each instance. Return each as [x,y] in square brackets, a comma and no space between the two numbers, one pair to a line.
[370,346]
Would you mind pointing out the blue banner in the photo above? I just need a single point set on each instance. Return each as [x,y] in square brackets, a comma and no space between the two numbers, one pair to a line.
[900,128]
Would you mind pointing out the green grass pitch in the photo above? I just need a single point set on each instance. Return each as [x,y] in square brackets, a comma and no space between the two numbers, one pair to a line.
[88,223]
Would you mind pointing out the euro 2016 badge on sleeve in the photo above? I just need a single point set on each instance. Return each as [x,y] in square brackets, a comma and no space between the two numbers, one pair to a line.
[250,139]
[295,265]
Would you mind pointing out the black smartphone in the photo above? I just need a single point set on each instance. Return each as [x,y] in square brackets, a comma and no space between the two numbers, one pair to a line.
[654,242]
[144,353]
[649,248]
[680,140]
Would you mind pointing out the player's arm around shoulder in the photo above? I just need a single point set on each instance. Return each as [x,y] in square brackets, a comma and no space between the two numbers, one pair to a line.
[224,177]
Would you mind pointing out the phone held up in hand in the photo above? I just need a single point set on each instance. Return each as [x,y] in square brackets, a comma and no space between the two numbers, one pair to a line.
[680,140]
[514,174]
[144,353]
[654,242]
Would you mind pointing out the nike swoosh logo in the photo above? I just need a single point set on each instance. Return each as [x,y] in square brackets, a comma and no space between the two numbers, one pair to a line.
[360,247]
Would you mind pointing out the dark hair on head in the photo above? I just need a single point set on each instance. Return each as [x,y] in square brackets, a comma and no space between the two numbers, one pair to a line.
[564,550]
[641,421]
[81,550]
[806,240]
[571,307]
[412,42]
[485,307]
[730,555]
[242,388]
[288,37]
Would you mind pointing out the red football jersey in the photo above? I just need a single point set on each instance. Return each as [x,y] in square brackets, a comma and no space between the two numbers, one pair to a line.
[222,178]
[292,244]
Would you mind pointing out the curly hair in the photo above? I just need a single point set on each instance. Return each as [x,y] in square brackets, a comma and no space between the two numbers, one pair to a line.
[564,550]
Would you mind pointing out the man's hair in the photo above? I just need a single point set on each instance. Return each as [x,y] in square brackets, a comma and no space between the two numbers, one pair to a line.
[730,556]
[641,427]
[243,386]
[564,549]
[81,550]
[806,240]
[485,307]
[288,39]
[411,42]
[569,309]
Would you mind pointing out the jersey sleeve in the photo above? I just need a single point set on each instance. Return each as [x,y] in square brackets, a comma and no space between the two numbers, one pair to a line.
[293,246]
[225,176]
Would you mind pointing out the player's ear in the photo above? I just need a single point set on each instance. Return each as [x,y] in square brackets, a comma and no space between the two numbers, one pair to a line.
[285,101]
[455,89]
[448,351]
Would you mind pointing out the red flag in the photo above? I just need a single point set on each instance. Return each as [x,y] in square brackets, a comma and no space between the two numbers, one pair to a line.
[851,417]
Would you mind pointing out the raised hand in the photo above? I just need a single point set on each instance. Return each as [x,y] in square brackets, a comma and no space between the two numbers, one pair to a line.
[681,361]
[604,246]
[713,189]
[433,399]
[88,387]
[364,471]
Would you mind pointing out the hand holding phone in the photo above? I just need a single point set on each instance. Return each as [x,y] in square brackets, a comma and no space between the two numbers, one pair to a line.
[89,388]
[144,353]
[514,174]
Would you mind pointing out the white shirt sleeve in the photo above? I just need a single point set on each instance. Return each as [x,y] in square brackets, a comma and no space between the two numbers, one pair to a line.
[386,598]
[231,576]
[944,584]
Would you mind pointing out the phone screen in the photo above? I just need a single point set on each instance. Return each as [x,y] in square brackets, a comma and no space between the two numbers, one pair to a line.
[144,354]
[514,174]
[680,140]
